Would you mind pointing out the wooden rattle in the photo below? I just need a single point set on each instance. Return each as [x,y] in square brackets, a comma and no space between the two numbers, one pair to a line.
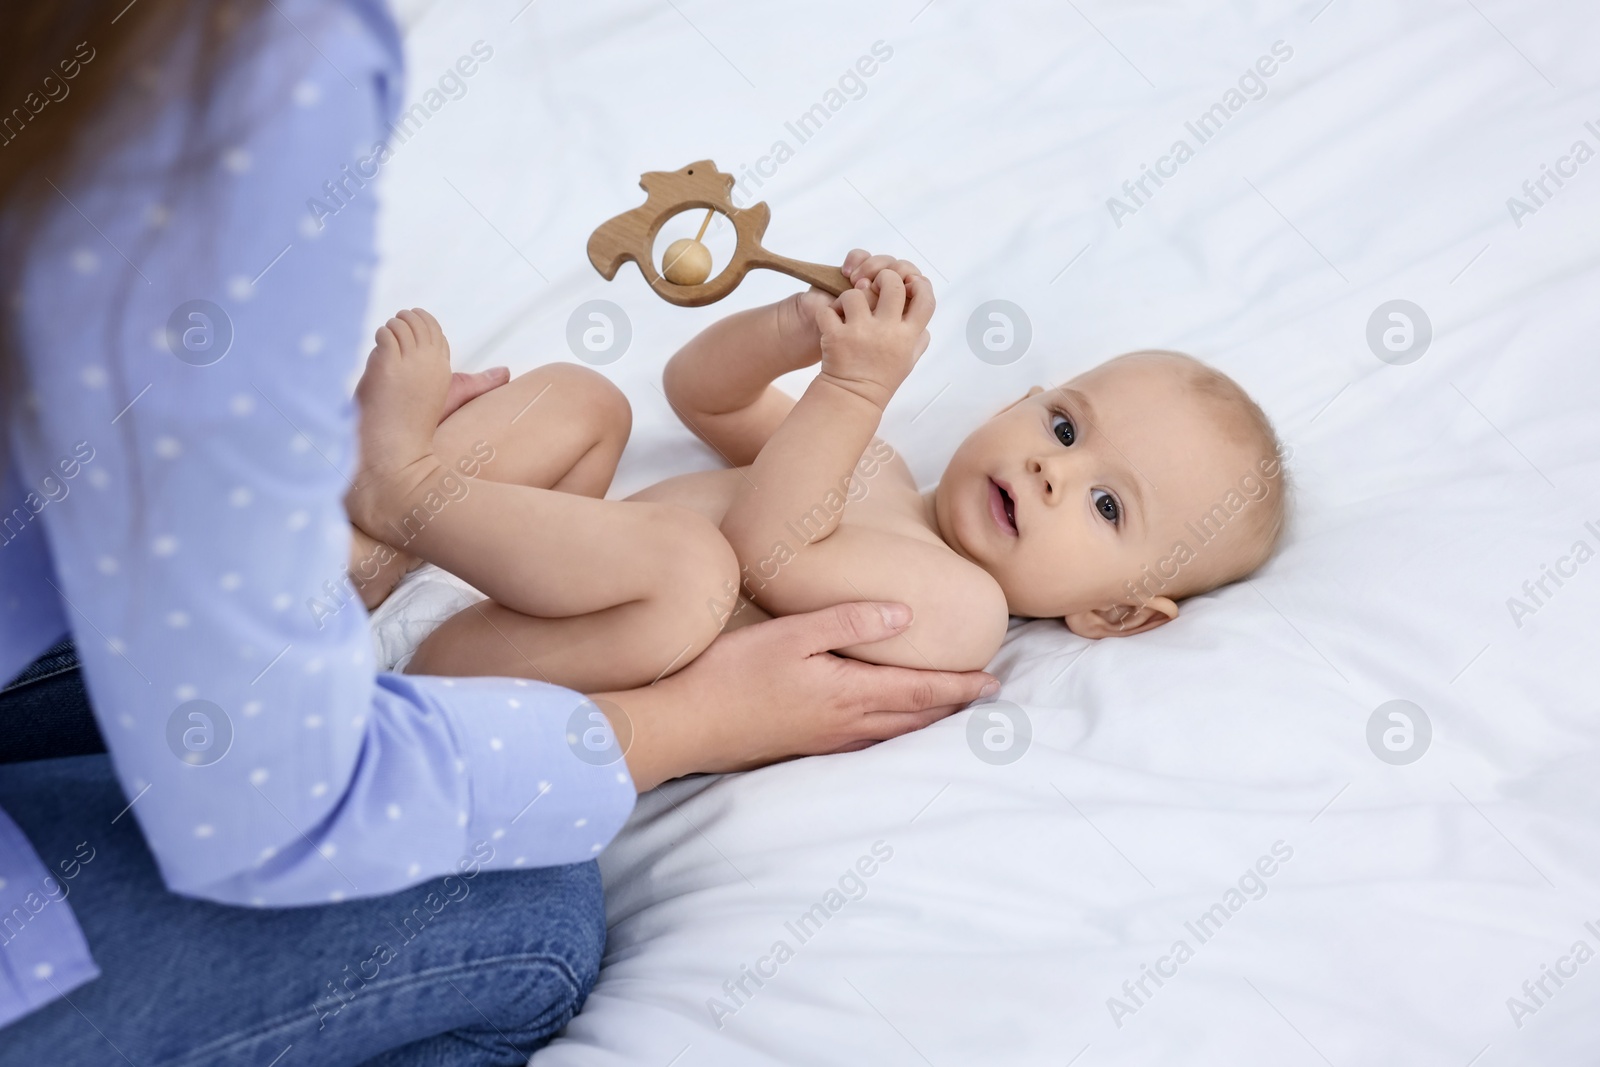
[687,264]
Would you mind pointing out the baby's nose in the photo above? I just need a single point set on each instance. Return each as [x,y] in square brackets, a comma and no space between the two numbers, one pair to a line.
[1047,485]
[1053,473]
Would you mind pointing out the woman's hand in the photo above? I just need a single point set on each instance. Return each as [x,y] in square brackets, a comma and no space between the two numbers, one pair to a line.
[774,691]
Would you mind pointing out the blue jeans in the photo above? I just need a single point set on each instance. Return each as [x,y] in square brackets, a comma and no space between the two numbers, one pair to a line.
[487,978]
[44,712]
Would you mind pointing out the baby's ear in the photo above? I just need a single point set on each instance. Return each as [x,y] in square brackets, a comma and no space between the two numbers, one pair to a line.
[1122,620]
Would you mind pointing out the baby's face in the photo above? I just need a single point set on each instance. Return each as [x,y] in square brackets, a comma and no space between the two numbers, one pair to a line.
[1065,495]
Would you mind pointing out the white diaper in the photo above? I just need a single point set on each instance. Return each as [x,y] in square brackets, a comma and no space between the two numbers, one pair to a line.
[424,598]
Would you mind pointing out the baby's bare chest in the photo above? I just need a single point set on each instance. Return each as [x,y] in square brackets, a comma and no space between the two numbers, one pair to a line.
[885,547]
[881,498]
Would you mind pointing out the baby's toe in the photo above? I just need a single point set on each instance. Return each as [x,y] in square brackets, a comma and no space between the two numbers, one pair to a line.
[419,325]
[403,333]
[435,331]
[385,341]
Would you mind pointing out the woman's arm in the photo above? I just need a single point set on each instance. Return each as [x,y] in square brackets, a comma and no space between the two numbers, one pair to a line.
[203,549]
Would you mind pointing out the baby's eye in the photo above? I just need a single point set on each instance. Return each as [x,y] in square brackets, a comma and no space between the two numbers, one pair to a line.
[1062,427]
[1106,505]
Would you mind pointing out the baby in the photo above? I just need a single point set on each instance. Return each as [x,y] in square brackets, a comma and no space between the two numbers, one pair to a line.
[1102,502]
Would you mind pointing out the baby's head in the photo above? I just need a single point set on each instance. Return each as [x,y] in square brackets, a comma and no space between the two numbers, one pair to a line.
[1147,479]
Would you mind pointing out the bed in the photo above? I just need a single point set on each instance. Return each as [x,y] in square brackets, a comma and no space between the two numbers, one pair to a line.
[1360,789]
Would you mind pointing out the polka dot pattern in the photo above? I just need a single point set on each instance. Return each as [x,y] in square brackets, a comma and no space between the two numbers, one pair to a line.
[214,518]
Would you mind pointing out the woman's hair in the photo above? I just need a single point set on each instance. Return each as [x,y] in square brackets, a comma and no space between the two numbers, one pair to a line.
[64,65]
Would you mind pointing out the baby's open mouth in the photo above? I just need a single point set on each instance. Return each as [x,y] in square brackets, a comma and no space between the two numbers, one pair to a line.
[1002,508]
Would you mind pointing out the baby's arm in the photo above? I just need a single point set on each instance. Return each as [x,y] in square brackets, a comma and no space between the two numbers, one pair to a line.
[720,383]
[720,386]
[866,352]
[783,522]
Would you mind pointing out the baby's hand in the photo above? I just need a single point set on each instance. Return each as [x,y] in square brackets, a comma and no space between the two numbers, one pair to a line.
[861,268]
[875,332]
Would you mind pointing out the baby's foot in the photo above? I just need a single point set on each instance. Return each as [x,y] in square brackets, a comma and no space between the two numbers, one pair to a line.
[401,395]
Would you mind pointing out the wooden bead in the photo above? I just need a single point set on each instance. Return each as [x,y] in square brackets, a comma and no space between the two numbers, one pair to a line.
[687,262]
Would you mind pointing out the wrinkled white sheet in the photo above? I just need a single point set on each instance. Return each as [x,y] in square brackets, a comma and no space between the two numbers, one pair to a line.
[1019,899]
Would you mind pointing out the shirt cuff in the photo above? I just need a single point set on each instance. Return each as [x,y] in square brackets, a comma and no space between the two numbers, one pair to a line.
[548,782]
[42,951]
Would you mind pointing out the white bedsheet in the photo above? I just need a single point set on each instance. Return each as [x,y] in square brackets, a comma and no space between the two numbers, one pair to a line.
[1019,899]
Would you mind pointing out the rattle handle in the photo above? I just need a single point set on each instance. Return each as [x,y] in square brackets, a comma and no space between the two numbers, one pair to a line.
[829,279]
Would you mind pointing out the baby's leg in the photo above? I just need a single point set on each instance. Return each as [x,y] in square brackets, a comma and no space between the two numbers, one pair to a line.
[631,644]
[563,427]
[560,426]
[608,594]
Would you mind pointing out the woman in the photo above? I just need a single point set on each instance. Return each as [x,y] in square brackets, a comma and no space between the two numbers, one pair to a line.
[284,855]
